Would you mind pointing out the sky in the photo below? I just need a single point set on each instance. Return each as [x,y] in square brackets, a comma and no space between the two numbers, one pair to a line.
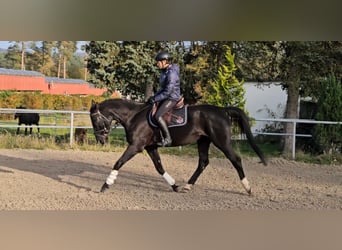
[4,44]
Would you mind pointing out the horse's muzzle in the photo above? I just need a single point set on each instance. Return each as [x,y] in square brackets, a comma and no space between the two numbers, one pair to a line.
[102,139]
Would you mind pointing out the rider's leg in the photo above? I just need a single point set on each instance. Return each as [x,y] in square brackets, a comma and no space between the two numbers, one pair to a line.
[164,107]
[167,141]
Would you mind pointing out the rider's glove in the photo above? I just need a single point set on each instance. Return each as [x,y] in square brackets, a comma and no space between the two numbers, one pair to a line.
[151,100]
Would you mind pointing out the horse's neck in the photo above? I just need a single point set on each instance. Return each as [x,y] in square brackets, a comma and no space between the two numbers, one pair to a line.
[126,112]
[138,110]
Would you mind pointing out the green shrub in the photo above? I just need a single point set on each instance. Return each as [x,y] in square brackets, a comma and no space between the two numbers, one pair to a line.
[327,137]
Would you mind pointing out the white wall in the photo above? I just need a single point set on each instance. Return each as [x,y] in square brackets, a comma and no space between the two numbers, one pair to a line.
[263,98]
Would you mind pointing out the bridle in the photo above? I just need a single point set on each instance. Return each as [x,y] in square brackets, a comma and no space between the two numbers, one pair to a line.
[105,131]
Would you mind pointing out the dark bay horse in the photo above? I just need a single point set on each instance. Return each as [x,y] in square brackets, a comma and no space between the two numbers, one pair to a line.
[27,119]
[206,124]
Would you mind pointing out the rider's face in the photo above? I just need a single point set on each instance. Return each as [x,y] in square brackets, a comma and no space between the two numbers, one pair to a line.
[162,64]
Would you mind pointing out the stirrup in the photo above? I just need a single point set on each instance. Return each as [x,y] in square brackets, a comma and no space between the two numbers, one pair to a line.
[165,143]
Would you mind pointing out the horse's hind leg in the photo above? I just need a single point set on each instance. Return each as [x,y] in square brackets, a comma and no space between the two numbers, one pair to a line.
[153,153]
[236,161]
[203,161]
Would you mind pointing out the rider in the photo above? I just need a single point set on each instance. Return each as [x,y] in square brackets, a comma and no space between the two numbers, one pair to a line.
[169,93]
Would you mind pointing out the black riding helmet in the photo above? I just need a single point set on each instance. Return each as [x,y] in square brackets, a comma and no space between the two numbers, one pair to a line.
[163,56]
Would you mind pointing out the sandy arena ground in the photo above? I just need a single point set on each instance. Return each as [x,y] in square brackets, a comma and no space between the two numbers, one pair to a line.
[71,180]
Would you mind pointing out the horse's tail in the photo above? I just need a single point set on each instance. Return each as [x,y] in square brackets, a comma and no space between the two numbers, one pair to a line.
[237,115]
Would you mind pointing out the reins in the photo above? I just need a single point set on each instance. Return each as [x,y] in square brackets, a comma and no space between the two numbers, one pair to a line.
[98,113]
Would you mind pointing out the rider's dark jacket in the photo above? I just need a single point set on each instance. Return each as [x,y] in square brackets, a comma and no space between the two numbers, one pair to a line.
[170,84]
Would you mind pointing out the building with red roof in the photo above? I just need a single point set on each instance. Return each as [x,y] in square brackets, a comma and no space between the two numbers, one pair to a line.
[25,80]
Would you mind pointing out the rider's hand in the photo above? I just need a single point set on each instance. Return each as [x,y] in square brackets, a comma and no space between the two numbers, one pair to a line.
[151,100]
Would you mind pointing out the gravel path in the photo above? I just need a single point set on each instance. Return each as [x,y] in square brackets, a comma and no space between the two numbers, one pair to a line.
[71,180]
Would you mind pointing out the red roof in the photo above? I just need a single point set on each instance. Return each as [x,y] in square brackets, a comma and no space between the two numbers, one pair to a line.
[22,80]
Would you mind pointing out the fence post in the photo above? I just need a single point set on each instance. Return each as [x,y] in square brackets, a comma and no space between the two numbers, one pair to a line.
[71,128]
[294,141]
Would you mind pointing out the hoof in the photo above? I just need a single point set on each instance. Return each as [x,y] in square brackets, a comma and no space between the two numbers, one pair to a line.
[249,192]
[175,188]
[104,187]
[186,188]
[183,189]
[246,185]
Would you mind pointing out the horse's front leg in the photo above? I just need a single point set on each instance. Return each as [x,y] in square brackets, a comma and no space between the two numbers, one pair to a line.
[127,155]
[153,153]
[203,161]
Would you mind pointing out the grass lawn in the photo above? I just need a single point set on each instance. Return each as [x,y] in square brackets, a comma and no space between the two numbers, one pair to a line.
[60,139]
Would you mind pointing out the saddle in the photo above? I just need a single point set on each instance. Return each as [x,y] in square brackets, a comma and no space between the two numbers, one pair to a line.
[178,116]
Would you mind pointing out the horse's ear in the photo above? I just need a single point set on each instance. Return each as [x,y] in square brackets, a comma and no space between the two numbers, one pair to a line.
[94,106]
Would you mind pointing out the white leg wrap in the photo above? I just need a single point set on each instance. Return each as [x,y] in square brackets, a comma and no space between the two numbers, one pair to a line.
[245,184]
[169,179]
[112,177]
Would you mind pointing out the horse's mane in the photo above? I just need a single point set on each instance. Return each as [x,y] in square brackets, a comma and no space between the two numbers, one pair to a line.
[128,103]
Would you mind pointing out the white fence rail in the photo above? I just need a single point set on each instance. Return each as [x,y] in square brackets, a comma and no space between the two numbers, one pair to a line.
[72,124]
[294,134]
[71,114]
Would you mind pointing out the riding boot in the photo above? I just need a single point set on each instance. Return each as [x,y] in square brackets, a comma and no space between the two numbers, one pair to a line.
[167,141]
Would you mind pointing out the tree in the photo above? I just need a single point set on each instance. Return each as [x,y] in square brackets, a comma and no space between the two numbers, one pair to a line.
[3,61]
[303,66]
[76,67]
[328,138]
[66,50]
[100,63]
[194,68]
[136,69]
[226,89]
[13,57]
[216,51]
[298,65]
[202,62]
[48,66]
[40,58]
[127,66]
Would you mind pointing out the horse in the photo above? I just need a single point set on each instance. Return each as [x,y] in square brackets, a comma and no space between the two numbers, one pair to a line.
[27,119]
[81,135]
[205,124]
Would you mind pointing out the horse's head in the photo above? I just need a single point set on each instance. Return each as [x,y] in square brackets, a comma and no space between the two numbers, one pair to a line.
[101,123]
[17,115]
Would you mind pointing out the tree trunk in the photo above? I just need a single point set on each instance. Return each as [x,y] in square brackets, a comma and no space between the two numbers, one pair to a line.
[64,67]
[85,69]
[59,65]
[22,55]
[291,113]
[148,90]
